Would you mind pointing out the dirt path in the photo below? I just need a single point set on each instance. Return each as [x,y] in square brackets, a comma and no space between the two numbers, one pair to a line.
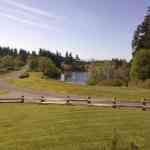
[14,91]
[33,96]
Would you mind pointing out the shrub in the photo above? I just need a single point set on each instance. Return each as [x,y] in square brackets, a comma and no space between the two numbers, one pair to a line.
[115,82]
[33,63]
[18,63]
[44,65]
[140,83]
[3,70]
[133,83]
[48,68]
[24,75]
[140,67]
[146,84]
[7,62]
[111,73]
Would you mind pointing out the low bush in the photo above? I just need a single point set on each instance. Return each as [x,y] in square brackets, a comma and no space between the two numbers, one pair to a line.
[133,83]
[48,68]
[140,83]
[115,82]
[92,81]
[146,84]
[44,65]
[24,75]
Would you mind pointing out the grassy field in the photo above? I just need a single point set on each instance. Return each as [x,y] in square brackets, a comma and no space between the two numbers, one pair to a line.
[3,92]
[122,93]
[51,127]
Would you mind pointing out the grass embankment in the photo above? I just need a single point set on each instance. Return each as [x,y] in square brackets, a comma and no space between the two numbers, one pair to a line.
[3,93]
[37,127]
[36,83]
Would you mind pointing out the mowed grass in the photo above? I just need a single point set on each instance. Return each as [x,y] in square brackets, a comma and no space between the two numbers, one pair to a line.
[35,82]
[2,92]
[54,127]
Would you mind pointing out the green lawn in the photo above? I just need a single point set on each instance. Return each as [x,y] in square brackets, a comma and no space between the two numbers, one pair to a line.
[122,93]
[3,92]
[54,127]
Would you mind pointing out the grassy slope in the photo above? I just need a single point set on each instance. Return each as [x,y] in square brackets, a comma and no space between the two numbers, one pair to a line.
[35,82]
[3,93]
[37,127]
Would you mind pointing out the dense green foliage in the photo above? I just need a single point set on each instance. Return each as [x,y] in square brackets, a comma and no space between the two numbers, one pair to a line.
[140,68]
[8,63]
[44,65]
[11,59]
[112,73]
[47,62]
[141,38]
[56,58]
[48,68]
[33,63]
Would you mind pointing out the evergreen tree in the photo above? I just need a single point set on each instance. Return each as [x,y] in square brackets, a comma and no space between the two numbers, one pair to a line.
[77,58]
[48,68]
[23,55]
[140,68]
[141,38]
[15,52]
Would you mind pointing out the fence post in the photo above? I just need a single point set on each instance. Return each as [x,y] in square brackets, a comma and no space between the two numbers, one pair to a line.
[68,100]
[144,104]
[22,99]
[89,100]
[42,99]
[114,102]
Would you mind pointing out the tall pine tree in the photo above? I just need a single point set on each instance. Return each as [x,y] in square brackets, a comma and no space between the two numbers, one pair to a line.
[141,38]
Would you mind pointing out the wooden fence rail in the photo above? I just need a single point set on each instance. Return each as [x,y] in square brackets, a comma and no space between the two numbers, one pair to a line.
[144,104]
[12,100]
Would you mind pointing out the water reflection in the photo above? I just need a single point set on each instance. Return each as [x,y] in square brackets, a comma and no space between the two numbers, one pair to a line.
[75,77]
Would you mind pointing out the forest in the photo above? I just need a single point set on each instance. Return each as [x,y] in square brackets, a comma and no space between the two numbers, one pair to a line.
[51,64]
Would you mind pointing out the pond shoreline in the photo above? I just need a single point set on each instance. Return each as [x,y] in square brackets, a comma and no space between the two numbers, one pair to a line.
[76,77]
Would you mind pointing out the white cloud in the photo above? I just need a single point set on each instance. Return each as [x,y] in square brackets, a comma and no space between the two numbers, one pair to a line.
[30,16]
[31,9]
[26,21]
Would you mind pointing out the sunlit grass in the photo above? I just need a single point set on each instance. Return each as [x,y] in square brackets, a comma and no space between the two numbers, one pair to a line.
[35,82]
[38,127]
[3,92]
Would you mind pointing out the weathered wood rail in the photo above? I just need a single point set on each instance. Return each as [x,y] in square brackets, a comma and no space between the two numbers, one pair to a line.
[70,100]
[144,104]
[12,100]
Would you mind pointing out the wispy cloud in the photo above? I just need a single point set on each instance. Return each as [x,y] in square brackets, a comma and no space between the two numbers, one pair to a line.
[31,16]
[31,9]
[26,21]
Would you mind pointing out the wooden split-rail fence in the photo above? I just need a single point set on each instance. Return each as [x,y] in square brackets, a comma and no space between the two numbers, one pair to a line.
[12,100]
[115,103]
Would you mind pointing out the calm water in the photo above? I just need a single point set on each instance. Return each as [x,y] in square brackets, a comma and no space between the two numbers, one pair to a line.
[75,77]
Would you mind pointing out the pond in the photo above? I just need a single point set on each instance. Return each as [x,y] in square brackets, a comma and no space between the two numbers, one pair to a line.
[75,77]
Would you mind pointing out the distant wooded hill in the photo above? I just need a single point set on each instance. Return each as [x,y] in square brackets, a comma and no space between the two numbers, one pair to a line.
[13,59]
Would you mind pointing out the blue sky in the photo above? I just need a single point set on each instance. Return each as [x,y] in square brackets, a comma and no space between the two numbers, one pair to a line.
[100,29]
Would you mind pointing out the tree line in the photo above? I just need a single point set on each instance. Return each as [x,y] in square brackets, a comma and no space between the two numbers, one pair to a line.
[44,60]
